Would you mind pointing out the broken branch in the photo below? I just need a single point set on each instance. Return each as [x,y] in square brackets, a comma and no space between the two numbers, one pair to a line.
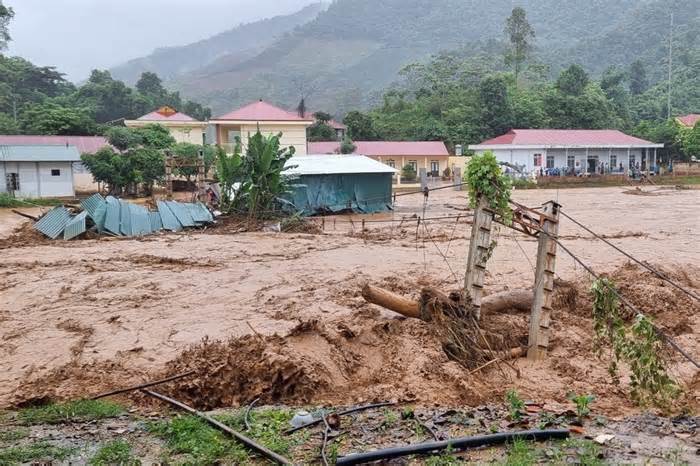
[143,385]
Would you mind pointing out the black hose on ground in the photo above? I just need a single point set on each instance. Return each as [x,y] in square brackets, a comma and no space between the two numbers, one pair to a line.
[456,444]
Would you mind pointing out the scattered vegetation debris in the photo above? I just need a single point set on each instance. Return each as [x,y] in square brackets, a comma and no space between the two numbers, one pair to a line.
[71,411]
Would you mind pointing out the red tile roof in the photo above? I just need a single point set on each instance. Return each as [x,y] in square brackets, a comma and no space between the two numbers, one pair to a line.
[689,120]
[262,111]
[384,148]
[564,137]
[84,144]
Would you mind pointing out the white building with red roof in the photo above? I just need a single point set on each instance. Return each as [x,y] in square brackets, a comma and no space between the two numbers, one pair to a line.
[182,127]
[431,155]
[243,122]
[572,151]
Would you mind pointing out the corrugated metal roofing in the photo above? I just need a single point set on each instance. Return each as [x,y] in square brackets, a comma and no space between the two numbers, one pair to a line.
[156,116]
[334,164]
[140,220]
[113,216]
[566,137]
[92,203]
[54,222]
[76,226]
[156,222]
[22,153]
[169,220]
[182,213]
[385,148]
[200,214]
[84,144]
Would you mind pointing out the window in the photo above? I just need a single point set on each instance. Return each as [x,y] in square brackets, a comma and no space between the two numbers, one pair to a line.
[55,172]
[233,135]
[538,160]
[632,160]
[391,163]
[613,161]
[550,161]
[435,167]
[570,161]
[414,165]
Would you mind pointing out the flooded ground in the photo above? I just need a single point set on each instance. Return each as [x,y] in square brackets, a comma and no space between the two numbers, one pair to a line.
[82,316]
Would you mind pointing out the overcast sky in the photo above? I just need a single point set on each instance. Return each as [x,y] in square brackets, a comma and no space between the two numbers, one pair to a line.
[79,35]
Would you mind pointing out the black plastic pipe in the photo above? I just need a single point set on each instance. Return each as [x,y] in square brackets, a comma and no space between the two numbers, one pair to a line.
[457,444]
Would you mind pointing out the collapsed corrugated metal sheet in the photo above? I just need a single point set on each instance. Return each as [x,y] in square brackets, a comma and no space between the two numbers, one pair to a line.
[168,219]
[53,223]
[182,213]
[76,226]
[112,215]
[121,218]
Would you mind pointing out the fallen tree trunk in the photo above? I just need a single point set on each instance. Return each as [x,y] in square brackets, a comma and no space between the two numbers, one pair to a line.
[432,298]
[392,301]
[22,214]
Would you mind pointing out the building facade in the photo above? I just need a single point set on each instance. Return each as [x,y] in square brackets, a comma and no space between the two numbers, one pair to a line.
[34,171]
[572,152]
[183,128]
[429,155]
[271,120]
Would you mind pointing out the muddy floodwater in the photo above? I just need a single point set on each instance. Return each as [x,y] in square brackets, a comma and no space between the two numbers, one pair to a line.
[82,316]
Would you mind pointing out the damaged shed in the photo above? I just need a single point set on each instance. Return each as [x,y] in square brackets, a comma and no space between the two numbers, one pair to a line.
[333,183]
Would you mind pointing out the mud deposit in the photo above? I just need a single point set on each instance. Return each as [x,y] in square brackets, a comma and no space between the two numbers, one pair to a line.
[279,315]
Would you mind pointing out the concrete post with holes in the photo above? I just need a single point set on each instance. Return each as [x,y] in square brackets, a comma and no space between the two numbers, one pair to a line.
[457,178]
[201,176]
[423,176]
[540,316]
[169,175]
[479,250]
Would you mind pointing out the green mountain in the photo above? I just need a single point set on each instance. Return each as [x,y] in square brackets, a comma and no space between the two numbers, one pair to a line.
[351,52]
[230,47]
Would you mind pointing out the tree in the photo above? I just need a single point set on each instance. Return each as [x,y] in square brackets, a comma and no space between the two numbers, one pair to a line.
[347,146]
[6,15]
[638,78]
[360,126]
[690,142]
[573,80]
[320,130]
[189,153]
[408,173]
[8,125]
[520,35]
[150,84]
[155,136]
[496,112]
[54,119]
[123,138]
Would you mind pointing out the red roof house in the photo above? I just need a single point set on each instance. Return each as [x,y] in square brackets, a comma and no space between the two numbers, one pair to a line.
[261,111]
[689,120]
[565,138]
[385,148]
[165,114]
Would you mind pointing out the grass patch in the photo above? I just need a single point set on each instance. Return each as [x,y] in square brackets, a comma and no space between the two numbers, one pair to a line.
[81,410]
[195,442]
[33,452]
[8,201]
[520,453]
[191,440]
[114,452]
[13,435]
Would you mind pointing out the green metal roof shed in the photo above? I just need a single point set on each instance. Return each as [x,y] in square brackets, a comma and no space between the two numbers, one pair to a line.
[333,183]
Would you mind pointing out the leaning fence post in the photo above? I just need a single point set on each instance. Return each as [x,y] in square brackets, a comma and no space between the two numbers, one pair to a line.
[457,178]
[540,316]
[479,247]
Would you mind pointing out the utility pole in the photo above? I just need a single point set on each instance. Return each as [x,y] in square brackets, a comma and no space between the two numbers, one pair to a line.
[670,67]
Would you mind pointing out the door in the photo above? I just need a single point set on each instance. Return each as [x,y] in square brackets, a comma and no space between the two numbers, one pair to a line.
[592,163]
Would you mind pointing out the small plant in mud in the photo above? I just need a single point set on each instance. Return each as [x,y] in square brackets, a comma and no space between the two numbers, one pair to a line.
[583,404]
[390,418]
[485,179]
[520,453]
[72,411]
[114,452]
[515,405]
[640,346]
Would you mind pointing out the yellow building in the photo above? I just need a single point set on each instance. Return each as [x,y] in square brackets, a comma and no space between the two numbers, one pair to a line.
[182,127]
[269,119]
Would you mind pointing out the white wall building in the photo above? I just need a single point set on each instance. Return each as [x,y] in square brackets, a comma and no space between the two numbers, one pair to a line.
[572,151]
[38,171]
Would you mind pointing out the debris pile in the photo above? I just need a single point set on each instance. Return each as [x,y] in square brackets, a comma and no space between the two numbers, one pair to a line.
[116,217]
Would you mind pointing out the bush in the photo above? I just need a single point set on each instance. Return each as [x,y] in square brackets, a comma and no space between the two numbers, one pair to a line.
[408,173]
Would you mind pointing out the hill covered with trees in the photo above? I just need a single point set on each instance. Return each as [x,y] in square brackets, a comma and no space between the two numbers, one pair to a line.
[355,49]
[224,49]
